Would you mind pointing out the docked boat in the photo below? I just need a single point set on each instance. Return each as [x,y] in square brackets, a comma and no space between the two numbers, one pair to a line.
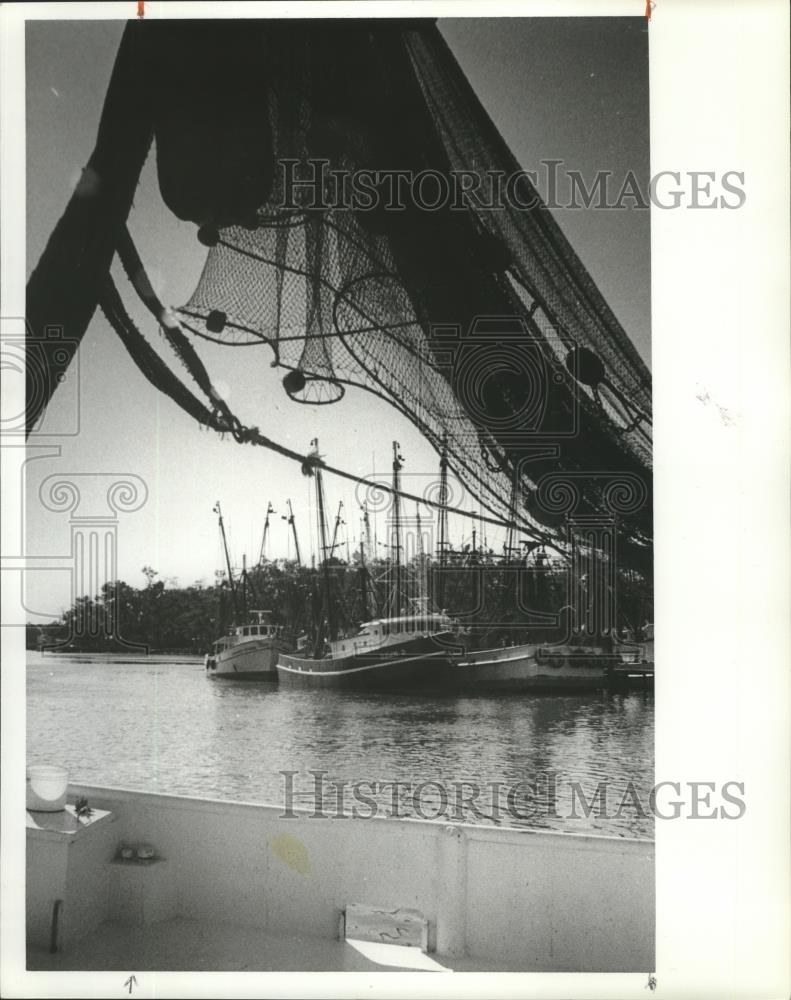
[405,651]
[528,667]
[636,655]
[637,646]
[396,654]
[249,652]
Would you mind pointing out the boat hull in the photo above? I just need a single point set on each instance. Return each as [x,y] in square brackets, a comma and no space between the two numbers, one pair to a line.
[406,666]
[527,667]
[636,666]
[248,661]
[641,653]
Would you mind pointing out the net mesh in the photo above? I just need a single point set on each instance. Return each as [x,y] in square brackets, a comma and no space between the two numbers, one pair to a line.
[462,319]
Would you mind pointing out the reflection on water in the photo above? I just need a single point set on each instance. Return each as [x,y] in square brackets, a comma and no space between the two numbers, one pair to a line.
[160,725]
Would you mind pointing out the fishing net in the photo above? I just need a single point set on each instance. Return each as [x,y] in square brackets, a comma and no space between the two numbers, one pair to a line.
[284,142]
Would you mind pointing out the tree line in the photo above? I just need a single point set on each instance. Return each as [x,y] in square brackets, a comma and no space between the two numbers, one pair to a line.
[505,602]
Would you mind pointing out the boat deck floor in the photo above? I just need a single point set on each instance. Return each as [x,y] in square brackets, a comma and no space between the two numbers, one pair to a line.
[183,945]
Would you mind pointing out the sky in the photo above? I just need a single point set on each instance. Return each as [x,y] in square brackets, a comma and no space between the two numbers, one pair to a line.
[566,89]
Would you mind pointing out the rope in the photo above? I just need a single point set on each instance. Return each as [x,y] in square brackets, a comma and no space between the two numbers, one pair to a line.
[148,361]
[135,271]
[163,378]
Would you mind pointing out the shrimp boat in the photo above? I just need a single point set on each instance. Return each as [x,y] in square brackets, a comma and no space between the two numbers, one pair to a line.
[247,652]
[396,653]
[514,665]
[407,652]
[528,667]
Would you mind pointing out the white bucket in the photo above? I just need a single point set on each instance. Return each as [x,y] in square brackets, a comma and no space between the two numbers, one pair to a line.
[47,785]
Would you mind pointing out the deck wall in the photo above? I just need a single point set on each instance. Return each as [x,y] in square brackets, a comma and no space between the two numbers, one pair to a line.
[533,900]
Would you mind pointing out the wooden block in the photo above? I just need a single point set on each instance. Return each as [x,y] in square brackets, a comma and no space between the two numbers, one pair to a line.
[373,923]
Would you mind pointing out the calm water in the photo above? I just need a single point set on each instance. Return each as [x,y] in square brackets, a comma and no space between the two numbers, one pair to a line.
[160,725]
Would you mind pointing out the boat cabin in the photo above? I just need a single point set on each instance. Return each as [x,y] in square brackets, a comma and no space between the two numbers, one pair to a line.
[261,628]
[384,631]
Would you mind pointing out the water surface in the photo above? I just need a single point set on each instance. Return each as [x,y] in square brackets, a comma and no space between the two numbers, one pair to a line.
[161,725]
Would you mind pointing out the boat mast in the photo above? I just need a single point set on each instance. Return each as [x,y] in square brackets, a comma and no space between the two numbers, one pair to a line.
[244,586]
[363,575]
[370,548]
[218,511]
[325,569]
[509,548]
[269,510]
[395,608]
[290,520]
[367,532]
[422,589]
[442,544]
[338,522]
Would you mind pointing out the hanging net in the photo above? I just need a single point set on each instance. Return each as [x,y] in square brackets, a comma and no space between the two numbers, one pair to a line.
[284,142]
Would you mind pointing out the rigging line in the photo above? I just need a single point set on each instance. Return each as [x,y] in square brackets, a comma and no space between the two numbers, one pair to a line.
[158,373]
[278,339]
[136,273]
[627,403]
[398,404]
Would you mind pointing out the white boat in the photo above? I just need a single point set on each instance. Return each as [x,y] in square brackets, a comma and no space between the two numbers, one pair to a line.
[249,652]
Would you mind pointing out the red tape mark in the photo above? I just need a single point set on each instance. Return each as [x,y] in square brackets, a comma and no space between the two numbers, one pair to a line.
[649,6]
[141,8]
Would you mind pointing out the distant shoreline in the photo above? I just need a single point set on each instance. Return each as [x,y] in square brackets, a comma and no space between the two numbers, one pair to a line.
[120,657]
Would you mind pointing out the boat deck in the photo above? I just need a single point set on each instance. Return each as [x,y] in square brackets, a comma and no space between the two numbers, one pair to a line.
[242,887]
[184,945]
